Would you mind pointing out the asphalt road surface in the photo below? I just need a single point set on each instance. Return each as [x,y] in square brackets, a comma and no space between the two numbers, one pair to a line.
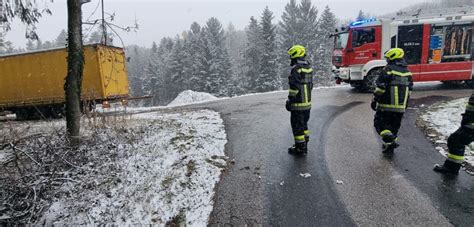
[351,183]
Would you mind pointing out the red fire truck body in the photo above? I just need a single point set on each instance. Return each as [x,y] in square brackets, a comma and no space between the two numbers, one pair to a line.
[437,49]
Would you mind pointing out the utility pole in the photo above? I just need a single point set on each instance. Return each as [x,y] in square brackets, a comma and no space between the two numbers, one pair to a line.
[104,28]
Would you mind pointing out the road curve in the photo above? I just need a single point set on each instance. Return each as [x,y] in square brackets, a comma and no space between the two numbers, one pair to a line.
[265,187]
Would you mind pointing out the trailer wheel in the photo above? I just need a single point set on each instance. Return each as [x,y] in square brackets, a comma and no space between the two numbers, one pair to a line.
[26,113]
[57,111]
[368,83]
[21,114]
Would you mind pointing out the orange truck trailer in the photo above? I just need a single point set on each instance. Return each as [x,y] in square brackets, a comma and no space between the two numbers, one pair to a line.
[32,83]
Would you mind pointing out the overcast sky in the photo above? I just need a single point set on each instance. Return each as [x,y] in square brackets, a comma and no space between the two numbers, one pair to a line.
[160,18]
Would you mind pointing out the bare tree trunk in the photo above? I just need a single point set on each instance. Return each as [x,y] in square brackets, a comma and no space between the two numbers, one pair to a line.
[75,64]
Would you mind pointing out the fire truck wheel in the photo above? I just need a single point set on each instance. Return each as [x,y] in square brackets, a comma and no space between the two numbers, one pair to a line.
[355,84]
[368,83]
[452,83]
[470,83]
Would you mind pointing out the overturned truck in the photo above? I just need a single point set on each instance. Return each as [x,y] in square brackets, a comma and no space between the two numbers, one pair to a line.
[32,84]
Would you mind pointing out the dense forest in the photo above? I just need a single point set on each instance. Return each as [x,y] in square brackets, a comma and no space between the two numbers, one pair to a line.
[228,62]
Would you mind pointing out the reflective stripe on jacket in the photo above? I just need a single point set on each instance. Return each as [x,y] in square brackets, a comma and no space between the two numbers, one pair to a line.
[300,85]
[393,87]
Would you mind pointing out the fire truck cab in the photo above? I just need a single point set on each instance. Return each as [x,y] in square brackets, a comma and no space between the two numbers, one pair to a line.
[439,48]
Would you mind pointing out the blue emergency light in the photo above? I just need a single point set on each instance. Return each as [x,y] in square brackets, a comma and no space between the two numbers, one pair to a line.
[361,22]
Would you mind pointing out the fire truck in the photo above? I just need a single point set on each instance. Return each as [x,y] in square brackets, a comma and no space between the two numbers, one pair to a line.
[437,48]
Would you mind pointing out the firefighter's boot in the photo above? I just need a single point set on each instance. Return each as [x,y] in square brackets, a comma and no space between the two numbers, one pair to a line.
[449,167]
[389,143]
[389,147]
[298,149]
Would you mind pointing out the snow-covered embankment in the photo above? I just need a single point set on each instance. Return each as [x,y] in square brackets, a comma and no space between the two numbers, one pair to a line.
[445,118]
[169,175]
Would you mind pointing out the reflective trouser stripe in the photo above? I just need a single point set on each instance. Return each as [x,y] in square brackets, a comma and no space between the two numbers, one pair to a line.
[456,158]
[303,70]
[299,139]
[469,107]
[379,91]
[391,108]
[385,132]
[292,92]
[301,106]
[307,132]
[389,143]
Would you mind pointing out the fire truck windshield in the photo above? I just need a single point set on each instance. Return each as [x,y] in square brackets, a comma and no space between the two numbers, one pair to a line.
[340,40]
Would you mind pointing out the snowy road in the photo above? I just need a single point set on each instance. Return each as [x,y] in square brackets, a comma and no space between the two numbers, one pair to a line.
[345,180]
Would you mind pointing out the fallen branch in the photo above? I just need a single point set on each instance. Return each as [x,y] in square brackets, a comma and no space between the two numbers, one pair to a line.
[24,152]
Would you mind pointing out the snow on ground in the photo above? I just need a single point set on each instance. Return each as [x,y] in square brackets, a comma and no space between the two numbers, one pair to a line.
[445,118]
[149,168]
[187,97]
[191,97]
[279,91]
[169,174]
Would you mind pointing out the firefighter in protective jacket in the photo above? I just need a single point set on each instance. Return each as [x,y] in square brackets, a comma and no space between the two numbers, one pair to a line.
[299,98]
[458,140]
[391,96]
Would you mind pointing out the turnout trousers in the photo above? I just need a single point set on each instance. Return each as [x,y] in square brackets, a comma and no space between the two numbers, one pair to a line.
[387,124]
[457,143]
[299,125]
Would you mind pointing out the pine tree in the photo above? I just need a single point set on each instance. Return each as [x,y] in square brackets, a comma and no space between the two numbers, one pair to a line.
[309,23]
[217,59]
[61,40]
[323,59]
[138,59]
[268,79]
[5,46]
[95,37]
[39,44]
[360,16]
[30,45]
[288,35]
[194,57]
[252,56]
[290,28]
[235,42]
[177,78]
[157,78]
[299,25]
[47,45]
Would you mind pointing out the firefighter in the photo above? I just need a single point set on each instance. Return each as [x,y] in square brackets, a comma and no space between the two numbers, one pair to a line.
[299,98]
[393,88]
[458,141]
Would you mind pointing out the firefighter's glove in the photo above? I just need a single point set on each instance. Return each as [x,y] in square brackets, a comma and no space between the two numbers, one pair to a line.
[373,105]
[288,105]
